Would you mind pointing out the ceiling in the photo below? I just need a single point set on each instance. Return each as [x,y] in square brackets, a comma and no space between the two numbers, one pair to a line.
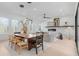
[35,10]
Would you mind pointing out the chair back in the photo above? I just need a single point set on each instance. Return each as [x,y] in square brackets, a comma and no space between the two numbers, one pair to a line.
[39,37]
[17,32]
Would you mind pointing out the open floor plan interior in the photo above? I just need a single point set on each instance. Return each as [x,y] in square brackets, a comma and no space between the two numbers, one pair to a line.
[39,28]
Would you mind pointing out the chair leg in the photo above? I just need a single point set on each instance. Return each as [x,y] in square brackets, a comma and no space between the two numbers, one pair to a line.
[42,47]
[36,51]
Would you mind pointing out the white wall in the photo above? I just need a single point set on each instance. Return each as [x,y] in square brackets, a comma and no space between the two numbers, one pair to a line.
[64,31]
[69,20]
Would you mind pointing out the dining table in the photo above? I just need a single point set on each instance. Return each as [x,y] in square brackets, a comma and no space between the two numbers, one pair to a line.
[28,37]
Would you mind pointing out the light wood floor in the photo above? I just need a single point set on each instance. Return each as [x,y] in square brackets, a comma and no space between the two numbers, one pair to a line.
[57,48]
[61,48]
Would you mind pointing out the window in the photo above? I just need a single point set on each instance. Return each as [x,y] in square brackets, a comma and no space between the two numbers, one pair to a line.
[15,25]
[4,24]
[9,25]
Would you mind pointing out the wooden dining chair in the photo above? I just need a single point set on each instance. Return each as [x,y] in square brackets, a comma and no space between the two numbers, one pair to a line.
[17,32]
[21,45]
[11,39]
[39,41]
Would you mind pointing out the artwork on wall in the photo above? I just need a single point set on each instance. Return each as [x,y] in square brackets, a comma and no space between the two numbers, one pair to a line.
[56,22]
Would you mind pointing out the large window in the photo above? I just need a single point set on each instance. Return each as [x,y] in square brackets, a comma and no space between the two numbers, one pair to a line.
[9,25]
[4,24]
[15,25]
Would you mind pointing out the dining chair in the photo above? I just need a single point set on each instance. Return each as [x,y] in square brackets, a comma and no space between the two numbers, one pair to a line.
[39,41]
[17,32]
[11,39]
[21,45]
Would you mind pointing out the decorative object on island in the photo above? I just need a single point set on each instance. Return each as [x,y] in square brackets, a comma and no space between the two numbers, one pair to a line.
[56,22]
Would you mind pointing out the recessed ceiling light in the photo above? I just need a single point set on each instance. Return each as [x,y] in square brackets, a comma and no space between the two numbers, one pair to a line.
[29,2]
[21,5]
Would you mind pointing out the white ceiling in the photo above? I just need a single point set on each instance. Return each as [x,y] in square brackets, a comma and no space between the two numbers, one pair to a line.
[37,9]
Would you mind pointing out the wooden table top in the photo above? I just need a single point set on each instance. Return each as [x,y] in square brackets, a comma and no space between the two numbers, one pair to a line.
[25,35]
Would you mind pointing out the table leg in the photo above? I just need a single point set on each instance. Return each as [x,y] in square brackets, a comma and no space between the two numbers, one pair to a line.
[29,44]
